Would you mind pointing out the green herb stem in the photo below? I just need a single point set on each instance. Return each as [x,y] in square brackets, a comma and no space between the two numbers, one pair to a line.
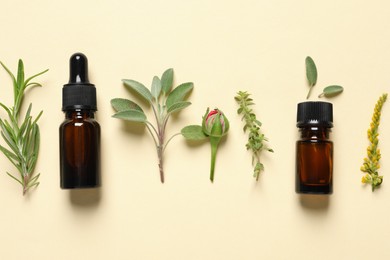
[214,142]
[308,94]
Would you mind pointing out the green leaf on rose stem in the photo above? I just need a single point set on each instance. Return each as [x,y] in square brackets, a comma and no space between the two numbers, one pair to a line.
[193,132]
[131,115]
[122,104]
[156,87]
[178,106]
[311,71]
[139,88]
[167,81]
[331,91]
[179,93]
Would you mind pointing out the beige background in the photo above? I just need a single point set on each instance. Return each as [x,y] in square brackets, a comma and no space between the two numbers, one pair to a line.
[223,47]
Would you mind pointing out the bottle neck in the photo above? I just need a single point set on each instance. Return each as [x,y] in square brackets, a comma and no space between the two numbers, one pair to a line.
[315,132]
[79,114]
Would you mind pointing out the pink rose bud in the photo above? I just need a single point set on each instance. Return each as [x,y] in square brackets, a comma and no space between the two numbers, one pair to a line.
[215,123]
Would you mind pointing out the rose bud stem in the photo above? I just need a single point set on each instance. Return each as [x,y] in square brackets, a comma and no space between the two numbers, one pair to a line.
[214,141]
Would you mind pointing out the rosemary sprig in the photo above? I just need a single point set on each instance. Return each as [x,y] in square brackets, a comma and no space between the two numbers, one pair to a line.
[22,138]
[371,162]
[255,137]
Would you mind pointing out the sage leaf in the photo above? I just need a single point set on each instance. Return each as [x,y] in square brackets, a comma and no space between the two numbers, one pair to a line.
[179,93]
[193,132]
[163,101]
[122,104]
[331,91]
[311,71]
[139,88]
[178,106]
[311,74]
[131,115]
[156,87]
[167,81]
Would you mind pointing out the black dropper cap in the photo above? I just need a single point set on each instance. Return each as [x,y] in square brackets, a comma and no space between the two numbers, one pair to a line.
[315,113]
[78,93]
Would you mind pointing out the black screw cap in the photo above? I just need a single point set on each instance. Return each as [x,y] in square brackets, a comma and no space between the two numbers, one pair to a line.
[314,113]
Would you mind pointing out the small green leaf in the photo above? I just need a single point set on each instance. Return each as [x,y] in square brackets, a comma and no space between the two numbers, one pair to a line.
[193,132]
[167,80]
[10,73]
[179,93]
[13,177]
[139,88]
[10,155]
[20,75]
[34,76]
[131,115]
[311,71]
[178,106]
[156,87]
[122,104]
[331,91]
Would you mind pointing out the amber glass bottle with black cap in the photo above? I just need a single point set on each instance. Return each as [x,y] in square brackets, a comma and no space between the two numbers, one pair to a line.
[314,149]
[80,132]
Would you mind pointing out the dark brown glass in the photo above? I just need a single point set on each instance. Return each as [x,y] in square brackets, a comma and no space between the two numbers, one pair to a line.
[79,150]
[314,162]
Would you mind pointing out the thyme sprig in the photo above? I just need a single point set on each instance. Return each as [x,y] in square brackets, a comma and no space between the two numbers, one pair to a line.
[22,138]
[371,162]
[255,138]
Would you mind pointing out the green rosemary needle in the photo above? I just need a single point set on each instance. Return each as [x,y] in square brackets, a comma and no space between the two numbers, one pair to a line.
[371,162]
[252,125]
[22,138]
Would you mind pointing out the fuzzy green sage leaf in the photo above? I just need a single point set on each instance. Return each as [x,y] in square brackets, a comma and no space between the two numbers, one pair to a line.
[139,88]
[179,93]
[311,73]
[167,81]
[193,133]
[122,104]
[131,115]
[331,91]
[178,106]
[156,87]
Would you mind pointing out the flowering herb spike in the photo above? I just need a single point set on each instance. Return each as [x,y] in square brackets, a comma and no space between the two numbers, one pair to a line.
[23,138]
[164,103]
[252,125]
[214,126]
[371,162]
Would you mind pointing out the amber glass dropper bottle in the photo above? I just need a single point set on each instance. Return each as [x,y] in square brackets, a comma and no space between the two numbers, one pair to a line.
[314,149]
[80,132]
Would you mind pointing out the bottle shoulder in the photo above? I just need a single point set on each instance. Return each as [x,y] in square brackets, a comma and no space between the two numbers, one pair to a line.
[80,122]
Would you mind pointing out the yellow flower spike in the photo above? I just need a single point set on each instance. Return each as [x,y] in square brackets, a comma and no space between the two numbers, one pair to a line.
[371,162]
